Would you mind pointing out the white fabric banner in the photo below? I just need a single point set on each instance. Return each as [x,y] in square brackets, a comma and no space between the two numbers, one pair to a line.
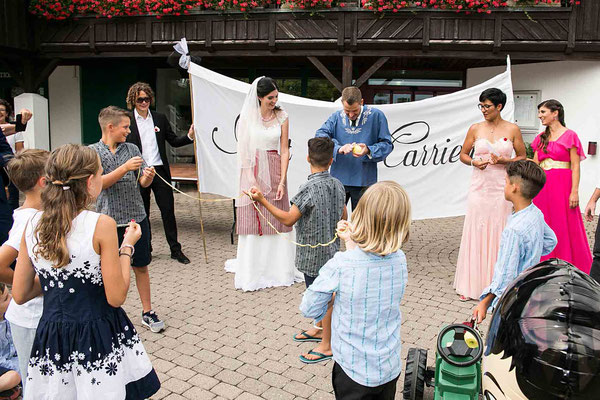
[427,136]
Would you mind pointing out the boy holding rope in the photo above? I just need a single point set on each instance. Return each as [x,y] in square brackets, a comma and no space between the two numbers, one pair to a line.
[121,199]
[315,210]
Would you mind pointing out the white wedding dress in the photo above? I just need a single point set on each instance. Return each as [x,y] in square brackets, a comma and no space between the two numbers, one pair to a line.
[265,260]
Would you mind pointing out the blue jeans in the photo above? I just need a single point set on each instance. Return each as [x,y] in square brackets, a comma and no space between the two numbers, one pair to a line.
[23,341]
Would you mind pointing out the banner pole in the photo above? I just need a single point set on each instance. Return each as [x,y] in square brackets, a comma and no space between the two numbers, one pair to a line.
[197,174]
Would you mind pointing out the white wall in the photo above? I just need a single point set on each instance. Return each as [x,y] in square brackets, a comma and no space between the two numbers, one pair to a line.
[37,134]
[576,84]
[65,106]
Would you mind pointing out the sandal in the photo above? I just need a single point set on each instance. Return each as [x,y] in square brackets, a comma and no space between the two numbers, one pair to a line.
[322,357]
[307,338]
[463,298]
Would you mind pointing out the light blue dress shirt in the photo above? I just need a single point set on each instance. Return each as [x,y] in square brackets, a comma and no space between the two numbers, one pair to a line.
[365,324]
[370,128]
[8,354]
[525,239]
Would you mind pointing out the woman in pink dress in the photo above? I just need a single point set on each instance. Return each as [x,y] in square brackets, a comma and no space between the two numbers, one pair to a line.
[559,151]
[492,143]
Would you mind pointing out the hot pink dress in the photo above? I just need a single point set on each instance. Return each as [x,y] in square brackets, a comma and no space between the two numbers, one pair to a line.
[487,211]
[553,200]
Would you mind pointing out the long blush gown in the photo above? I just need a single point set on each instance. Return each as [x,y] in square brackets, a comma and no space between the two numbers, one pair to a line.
[553,201]
[487,211]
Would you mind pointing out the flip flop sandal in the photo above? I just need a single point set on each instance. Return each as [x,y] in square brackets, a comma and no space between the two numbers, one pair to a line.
[322,357]
[307,338]
[463,298]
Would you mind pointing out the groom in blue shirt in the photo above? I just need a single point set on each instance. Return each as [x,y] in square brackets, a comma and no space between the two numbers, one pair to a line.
[362,139]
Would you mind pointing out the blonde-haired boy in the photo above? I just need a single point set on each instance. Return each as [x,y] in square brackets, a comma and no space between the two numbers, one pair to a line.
[120,198]
[368,280]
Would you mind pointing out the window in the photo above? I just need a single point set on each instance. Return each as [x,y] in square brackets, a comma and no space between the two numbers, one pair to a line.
[381,98]
[423,95]
[401,98]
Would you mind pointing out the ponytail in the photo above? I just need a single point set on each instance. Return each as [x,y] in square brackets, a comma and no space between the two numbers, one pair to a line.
[65,196]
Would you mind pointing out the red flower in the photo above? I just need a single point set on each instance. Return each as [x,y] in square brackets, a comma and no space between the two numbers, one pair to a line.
[505,139]
[64,9]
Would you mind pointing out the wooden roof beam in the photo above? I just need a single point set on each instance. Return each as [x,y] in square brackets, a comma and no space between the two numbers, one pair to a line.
[372,69]
[323,69]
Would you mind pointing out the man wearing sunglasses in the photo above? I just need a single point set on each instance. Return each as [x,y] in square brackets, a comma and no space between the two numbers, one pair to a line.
[150,131]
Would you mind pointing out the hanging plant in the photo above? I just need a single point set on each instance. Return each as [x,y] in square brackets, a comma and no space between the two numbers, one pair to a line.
[467,6]
[63,9]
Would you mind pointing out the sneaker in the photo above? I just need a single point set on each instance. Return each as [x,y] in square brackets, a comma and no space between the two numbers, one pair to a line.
[151,320]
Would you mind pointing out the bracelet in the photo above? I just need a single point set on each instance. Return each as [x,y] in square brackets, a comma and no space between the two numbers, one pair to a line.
[127,245]
[124,254]
[282,184]
[471,162]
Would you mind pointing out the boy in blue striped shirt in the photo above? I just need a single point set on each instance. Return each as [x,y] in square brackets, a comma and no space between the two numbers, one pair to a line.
[526,236]
[368,279]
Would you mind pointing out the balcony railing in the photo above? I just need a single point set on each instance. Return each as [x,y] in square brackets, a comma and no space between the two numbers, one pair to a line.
[535,33]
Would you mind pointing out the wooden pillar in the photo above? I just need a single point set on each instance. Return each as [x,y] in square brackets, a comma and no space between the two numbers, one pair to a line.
[347,71]
[303,82]
[251,75]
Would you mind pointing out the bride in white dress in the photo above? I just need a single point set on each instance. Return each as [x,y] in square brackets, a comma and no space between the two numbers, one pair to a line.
[264,258]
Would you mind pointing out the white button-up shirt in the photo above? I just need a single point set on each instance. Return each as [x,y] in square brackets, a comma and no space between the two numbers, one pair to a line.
[145,127]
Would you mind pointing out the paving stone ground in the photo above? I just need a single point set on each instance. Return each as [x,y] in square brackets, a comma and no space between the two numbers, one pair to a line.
[225,344]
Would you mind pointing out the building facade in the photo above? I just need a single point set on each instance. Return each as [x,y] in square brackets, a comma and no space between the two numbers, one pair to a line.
[83,64]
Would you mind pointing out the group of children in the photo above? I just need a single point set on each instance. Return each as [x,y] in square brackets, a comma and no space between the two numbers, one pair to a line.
[71,338]
[355,295]
[80,343]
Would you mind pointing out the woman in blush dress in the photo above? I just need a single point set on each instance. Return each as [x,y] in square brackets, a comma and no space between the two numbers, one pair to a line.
[264,258]
[492,144]
[559,152]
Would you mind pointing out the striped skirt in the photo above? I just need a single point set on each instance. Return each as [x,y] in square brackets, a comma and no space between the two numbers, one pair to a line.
[249,221]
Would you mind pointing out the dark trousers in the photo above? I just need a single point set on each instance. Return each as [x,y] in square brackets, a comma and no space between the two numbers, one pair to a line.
[13,196]
[163,195]
[6,219]
[346,389]
[354,193]
[308,280]
[595,271]
[141,256]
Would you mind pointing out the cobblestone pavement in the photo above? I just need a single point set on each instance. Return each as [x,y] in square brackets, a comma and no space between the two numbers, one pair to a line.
[225,344]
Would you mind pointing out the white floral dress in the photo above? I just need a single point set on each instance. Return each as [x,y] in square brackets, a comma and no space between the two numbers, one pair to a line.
[84,348]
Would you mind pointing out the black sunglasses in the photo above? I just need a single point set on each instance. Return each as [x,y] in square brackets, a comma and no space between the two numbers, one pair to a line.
[141,100]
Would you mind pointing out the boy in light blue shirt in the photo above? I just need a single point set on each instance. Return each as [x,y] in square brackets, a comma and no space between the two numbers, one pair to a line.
[526,236]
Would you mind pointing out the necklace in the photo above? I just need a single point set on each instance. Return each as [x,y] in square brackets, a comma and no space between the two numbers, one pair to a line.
[269,118]
[492,130]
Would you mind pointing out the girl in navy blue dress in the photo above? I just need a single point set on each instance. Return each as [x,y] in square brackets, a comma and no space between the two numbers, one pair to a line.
[85,346]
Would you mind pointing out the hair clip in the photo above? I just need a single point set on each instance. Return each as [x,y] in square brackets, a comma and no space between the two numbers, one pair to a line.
[66,187]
